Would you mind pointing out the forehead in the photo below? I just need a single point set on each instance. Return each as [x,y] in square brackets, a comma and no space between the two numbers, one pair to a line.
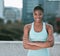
[38,11]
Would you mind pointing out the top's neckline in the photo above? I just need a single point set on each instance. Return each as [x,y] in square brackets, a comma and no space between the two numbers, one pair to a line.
[37,31]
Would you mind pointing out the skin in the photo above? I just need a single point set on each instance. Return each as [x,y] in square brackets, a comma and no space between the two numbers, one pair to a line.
[38,15]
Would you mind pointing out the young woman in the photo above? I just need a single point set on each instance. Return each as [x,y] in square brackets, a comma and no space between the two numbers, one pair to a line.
[38,36]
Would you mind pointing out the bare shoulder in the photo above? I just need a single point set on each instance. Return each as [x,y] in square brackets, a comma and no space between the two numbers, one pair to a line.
[27,26]
[49,26]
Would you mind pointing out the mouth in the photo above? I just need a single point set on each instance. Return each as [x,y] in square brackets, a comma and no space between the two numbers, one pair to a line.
[37,19]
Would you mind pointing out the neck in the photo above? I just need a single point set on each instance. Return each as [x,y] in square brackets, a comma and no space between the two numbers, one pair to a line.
[38,23]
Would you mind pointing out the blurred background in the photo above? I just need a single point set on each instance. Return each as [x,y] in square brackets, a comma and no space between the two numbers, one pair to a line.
[14,14]
[11,26]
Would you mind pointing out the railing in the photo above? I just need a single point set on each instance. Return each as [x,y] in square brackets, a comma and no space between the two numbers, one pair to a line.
[15,48]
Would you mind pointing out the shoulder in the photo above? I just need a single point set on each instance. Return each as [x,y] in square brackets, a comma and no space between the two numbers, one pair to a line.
[27,26]
[49,27]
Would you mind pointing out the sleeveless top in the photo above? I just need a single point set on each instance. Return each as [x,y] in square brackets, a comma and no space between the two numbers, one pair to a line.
[38,36]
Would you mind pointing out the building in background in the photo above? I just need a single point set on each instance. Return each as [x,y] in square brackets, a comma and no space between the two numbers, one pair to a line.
[1,8]
[11,13]
[28,5]
[51,9]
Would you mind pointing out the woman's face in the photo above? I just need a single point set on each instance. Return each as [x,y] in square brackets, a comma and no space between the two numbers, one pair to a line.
[38,15]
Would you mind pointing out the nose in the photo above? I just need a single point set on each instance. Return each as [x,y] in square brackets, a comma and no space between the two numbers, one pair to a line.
[38,16]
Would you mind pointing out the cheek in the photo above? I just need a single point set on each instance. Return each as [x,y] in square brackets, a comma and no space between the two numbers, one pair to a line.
[41,15]
[35,16]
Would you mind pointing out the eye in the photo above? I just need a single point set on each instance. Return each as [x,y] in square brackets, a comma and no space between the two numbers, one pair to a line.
[40,14]
[35,14]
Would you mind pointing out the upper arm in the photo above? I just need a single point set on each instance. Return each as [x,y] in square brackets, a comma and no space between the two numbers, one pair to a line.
[26,33]
[50,34]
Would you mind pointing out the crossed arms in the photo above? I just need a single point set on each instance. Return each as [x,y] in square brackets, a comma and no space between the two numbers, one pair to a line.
[38,44]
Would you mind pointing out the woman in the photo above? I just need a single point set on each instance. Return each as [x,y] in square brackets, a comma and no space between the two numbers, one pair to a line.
[38,36]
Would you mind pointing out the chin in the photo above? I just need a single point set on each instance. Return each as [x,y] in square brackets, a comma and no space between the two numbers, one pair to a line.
[37,21]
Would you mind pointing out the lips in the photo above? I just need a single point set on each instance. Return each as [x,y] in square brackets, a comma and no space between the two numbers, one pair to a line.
[37,19]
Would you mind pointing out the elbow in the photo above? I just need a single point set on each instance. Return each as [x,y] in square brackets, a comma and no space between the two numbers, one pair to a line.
[25,47]
[51,45]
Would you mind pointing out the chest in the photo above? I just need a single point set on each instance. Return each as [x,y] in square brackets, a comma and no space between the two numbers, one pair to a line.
[37,33]
[42,36]
[38,28]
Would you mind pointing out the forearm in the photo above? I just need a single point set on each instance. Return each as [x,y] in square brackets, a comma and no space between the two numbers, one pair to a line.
[31,47]
[42,44]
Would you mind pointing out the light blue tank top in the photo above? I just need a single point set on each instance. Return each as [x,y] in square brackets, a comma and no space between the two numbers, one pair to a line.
[38,36]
